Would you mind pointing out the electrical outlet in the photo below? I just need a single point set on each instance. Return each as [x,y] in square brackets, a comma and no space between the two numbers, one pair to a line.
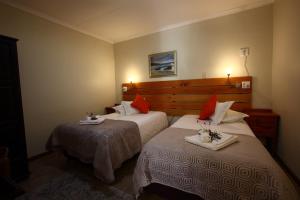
[244,51]
[124,89]
[245,84]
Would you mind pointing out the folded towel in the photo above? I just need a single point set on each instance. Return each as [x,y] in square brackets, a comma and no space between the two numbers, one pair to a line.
[204,137]
[92,122]
[201,140]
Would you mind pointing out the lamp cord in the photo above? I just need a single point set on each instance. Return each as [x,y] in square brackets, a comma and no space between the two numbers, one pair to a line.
[245,65]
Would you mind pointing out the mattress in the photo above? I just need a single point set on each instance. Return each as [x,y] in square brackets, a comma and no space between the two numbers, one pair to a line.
[149,124]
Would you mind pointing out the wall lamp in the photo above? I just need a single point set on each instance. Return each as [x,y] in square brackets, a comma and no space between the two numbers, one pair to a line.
[229,83]
[228,73]
[128,87]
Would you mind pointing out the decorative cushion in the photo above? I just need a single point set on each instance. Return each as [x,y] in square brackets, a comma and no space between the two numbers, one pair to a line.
[128,109]
[120,109]
[208,108]
[141,104]
[233,116]
[220,111]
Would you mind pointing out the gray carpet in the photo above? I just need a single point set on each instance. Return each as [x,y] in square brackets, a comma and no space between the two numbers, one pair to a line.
[71,187]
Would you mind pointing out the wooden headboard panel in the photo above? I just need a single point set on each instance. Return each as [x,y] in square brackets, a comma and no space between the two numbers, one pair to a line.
[181,97]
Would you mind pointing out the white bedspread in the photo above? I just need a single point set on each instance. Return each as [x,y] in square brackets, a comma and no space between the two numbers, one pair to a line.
[190,122]
[149,124]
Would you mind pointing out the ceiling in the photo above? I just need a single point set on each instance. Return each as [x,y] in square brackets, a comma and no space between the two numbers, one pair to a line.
[119,20]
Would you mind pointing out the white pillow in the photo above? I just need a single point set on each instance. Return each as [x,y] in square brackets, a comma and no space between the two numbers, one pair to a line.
[120,109]
[220,111]
[128,109]
[233,116]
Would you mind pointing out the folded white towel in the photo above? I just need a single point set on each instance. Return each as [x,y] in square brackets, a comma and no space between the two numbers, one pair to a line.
[201,140]
[92,122]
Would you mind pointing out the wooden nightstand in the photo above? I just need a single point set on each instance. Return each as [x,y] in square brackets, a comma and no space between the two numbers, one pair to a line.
[264,123]
[110,109]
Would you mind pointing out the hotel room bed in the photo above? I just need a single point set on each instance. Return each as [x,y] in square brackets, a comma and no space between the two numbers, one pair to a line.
[243,170]
[149,124]
[109,144]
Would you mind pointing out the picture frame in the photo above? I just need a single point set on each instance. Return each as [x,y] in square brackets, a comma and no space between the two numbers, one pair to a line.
[163,64]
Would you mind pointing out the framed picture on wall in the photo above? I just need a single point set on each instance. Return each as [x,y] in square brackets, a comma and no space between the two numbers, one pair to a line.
[163,64]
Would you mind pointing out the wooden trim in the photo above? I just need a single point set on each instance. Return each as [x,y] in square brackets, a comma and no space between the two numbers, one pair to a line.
[181,97]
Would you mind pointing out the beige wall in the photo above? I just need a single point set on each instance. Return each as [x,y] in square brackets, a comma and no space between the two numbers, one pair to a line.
[286,79]
[206,48]
[63,73]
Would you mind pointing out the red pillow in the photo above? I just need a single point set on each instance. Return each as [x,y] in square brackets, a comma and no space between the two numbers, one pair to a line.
[141,104]
[208,108]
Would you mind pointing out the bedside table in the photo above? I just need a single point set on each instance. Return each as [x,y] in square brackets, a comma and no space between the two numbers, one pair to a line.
[110,109]
[264,123]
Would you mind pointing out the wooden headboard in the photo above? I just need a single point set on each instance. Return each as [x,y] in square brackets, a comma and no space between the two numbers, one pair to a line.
[181,97]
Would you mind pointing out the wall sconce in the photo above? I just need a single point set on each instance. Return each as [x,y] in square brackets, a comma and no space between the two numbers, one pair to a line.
[229,83]
[128,87]
[228,72]
[228,75]
[131,84]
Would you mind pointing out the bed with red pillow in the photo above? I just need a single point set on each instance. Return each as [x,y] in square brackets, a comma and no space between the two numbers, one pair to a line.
[107,145]
[240,170]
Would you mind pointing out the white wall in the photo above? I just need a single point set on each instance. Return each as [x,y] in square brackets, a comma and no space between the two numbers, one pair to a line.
[286,79]
[64,73]
[207,47]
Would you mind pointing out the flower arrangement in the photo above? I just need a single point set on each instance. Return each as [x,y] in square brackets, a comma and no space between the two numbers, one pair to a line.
[207,133]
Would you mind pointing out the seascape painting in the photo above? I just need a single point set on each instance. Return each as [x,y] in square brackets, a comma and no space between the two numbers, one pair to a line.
[163,64]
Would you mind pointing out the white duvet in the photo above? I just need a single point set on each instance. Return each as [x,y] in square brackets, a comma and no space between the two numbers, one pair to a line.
[149,124]
[191,122]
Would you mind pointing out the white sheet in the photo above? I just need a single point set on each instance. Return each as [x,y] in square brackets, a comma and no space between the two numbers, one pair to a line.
[190,122]
[149,124]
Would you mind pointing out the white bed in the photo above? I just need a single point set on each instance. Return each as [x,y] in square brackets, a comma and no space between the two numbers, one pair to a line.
[149,124]
[192,122]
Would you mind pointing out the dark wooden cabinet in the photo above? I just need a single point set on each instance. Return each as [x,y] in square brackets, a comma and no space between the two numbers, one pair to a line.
[12,134]
[264,123]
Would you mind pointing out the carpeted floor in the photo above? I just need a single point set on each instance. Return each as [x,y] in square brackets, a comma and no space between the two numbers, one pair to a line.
[70,187]
[53,176]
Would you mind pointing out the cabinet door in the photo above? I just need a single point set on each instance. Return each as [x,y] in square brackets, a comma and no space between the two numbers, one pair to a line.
[11,115]
[6,71]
